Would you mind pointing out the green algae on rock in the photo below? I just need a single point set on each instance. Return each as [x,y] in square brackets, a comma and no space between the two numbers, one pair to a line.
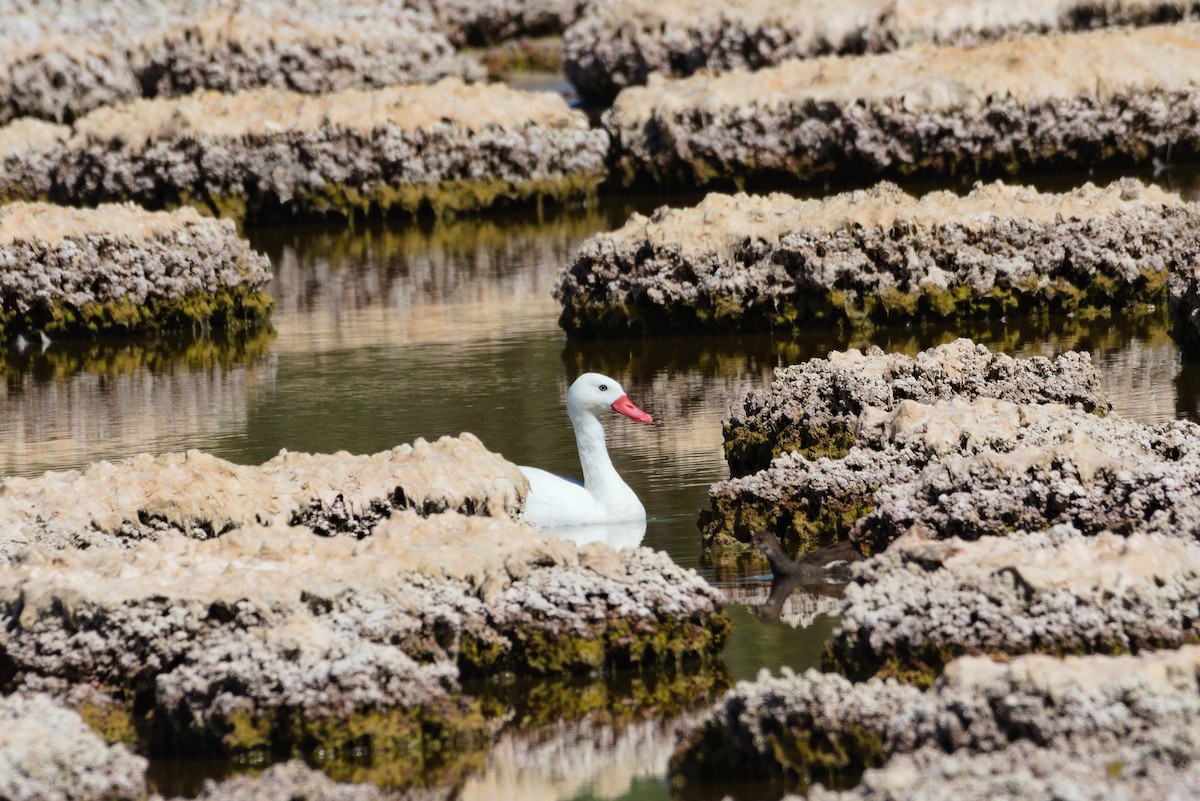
[118,269]
[745,262]
[268,154]
[1114,96]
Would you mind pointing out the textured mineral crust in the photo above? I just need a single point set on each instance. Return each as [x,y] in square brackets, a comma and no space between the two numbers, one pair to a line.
[121,269]
[486,21]
[232,51]
[289,780]
[968,468]
[48,752]
[1125,96]
[1161,766]
[274,637]
[814,407]
[61,77]
[619,44]
[60,63]
[30,149]
[272,153]
[806,468]
[820,723]
[988,467]
[920,603]
[745,262]
[199,495]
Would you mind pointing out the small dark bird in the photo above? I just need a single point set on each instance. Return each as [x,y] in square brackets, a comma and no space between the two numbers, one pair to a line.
[831,563]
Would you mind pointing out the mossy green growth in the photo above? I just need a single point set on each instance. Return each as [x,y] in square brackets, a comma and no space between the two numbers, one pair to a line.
[803,308]
[525,55]
[114,722]
[792,754]
[802,524]
[227,307]
[749,450]
[620,643]
[400,745]
[445,199]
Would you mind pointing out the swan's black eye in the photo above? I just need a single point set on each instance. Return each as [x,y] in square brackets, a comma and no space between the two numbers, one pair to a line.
[604,387]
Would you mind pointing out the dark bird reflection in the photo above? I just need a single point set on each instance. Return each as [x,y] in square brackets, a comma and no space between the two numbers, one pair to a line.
[817,577]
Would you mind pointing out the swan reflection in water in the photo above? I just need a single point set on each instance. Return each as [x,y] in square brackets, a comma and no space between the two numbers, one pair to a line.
[619,535]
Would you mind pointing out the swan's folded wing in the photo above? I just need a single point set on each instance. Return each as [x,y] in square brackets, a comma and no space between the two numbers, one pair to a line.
[557,501]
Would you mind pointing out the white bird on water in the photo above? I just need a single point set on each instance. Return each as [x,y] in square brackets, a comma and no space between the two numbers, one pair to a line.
[603,498]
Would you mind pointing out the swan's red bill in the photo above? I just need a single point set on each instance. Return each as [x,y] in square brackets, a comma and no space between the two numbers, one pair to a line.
[625,406]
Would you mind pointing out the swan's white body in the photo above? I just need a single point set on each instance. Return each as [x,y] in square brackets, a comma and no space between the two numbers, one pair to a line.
[604,498]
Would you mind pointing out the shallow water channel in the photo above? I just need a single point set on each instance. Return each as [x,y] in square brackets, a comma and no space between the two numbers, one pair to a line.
[388,332]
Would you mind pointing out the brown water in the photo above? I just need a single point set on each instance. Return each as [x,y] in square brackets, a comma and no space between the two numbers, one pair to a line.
[391,332]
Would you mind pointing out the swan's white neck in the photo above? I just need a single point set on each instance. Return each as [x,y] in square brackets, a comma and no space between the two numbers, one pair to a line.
[599,476]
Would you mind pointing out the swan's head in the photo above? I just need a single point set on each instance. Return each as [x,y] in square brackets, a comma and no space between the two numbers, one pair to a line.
[597,393]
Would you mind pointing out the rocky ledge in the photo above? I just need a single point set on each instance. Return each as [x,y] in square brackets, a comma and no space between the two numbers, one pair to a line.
[1159,765]
[621,43]
[967,468]
[331,51]
[271,153]
[821,724]
[744,262]
[61,61]
[48,752]
[988,467]
[921,603]
[805,466]
[1122,96]
[201,496]
[488,21]
[121,269]
[813,408]
[271,637]
[1184,303]
[30,151]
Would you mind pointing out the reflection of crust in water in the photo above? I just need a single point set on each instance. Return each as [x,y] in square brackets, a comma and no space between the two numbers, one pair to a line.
[79,402]
[793,603]
[459,282]
[567,759]
[601,734]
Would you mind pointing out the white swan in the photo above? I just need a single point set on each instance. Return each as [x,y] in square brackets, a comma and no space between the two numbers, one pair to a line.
[554,501]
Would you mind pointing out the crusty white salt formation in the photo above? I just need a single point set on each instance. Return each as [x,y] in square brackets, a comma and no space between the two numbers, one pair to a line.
[620,43]
[793,725]
[755,262]
[61,60]
[30,150]
[198,495]
[814,406]
[1120,96]
[230,52]
[59,77]
[120,269]
[920,603]
[275,637]
[47,751]
[270,153]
